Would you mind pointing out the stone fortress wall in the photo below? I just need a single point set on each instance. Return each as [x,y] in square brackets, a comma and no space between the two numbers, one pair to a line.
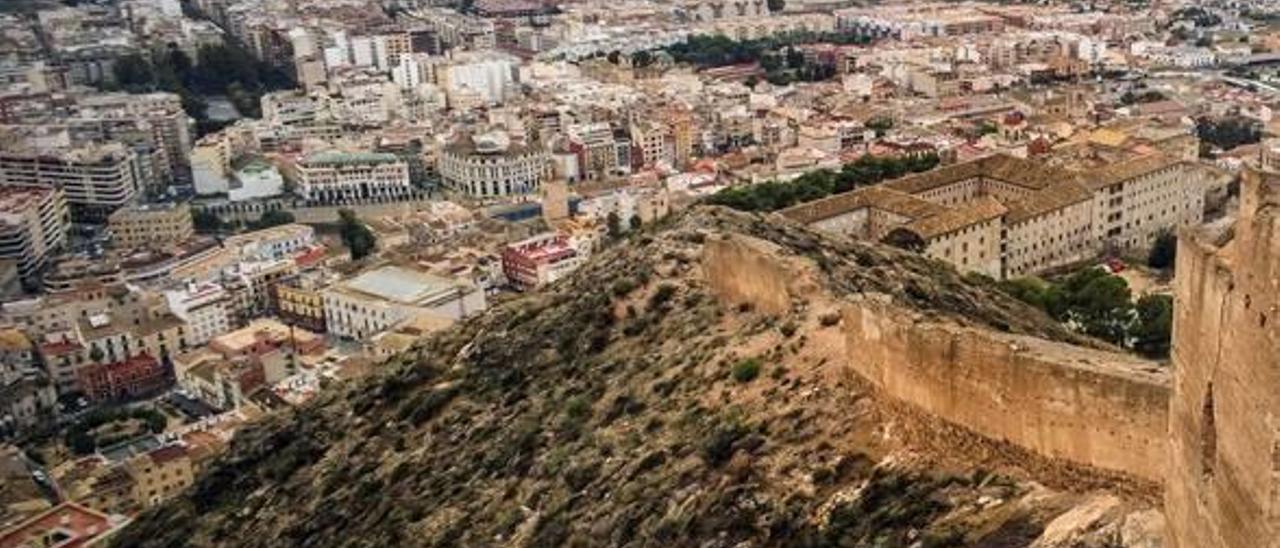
[1089,407]
[1223,487]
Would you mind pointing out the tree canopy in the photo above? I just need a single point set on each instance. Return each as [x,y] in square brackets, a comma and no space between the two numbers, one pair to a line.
[1101,304]
[775,195]
[360,241]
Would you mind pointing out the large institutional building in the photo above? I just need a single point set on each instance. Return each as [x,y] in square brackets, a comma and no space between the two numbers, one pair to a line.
[1007,217]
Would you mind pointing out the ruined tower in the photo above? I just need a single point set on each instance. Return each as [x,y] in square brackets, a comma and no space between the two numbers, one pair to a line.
[1223,485]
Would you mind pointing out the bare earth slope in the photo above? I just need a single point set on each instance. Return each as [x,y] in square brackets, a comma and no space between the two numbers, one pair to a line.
[618,408]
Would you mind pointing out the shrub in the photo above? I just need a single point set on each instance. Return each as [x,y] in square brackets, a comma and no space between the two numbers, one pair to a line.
[1164,250]
[788,329]
[746,370]
[662,295]
[623,287]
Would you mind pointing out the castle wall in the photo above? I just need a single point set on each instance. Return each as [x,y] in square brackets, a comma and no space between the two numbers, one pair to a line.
[1224,427]
[1089,407]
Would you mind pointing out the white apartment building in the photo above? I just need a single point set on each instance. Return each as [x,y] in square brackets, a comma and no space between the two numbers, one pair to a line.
[488,75]
[204,308]
[333,178]
[382,298]
[415,70]
[268,244]
[95,179]
[33,225]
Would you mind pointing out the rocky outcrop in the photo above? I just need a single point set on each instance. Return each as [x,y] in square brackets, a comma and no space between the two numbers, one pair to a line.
[629,406]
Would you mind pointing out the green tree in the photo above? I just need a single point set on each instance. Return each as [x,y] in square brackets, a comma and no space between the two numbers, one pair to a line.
[206,221]
[635,222]
[360,241]
[613,225]
[1154,326]
[641,59]
[776,5]
[880,125]
[275,217]
[134,73]
[1164,250]
[1099,302]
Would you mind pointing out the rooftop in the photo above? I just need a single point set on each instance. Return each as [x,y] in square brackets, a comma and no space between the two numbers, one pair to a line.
[337,158]
[66,525]
[402,285]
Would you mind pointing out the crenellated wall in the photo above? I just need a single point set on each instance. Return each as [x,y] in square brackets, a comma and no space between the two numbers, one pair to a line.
[1089,407]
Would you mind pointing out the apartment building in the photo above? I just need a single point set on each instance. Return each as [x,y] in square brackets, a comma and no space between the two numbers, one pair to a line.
[539,260]
[171,130]
[161,473]
[349,178]
[381,298]
[95,180]
[118,352]
[33,226]
[151,225]
[204,308]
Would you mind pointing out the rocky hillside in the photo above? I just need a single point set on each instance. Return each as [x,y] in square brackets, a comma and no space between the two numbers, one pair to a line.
[626,407]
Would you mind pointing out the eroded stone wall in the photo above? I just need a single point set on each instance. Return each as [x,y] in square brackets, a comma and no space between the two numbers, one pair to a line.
[1224,429]
[1093,408]
[1088,407]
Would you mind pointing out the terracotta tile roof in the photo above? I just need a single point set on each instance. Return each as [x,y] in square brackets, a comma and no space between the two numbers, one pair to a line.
[1046,200]
[977,211]
[877,197]
[1128,169]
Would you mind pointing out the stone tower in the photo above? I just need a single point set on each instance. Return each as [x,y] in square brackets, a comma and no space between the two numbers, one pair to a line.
[1223,485]
[555,201]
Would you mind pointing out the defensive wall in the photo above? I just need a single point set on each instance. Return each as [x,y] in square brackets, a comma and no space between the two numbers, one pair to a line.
[1089,407]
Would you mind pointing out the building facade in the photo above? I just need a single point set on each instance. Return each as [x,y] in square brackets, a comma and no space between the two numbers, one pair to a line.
[152,225]
[33,225]
[491,166]
[340,178]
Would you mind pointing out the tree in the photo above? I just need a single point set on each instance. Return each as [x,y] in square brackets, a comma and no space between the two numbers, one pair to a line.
[206,221]
[641,59]
[1164,250]
[1230,132]
[776,5]
[275,217]
[1154,325]
[614,56]
[635,222]
[133,72]
[613,224]
[1099,302]
[360,241]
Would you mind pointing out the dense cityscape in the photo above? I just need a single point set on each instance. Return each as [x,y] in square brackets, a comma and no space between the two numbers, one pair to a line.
[218,216]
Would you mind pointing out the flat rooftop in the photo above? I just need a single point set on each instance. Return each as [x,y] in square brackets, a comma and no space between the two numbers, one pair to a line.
[402,285]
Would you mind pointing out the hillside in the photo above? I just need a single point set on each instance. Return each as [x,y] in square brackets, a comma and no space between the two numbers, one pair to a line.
[625,406]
